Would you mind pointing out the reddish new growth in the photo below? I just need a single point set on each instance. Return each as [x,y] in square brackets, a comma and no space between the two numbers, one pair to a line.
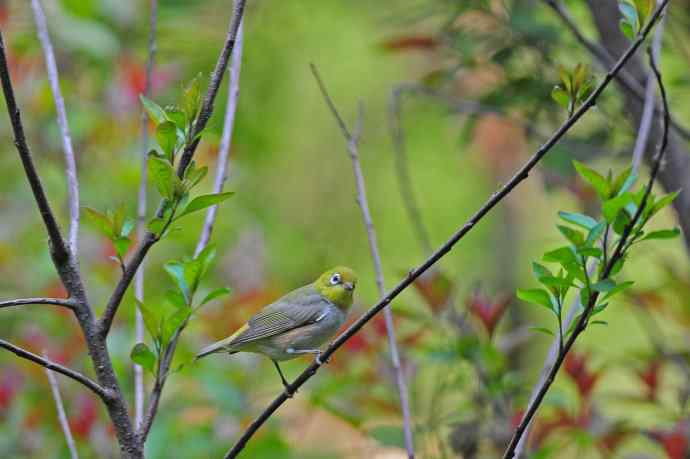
[576,368]
[674,442]
[650,377]
[488,311]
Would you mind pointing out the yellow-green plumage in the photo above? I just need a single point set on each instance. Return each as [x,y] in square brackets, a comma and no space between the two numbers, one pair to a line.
[299,322]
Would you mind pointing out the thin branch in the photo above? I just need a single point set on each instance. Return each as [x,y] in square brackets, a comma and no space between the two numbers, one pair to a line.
[141,215]
[106,320]
[495,198]
[403,171]
[615,257]
[62,417]
[625,78]
[204,237]
[104,394]
[67,303]
[70,163]
[649,101]
[59,249]
[353,149]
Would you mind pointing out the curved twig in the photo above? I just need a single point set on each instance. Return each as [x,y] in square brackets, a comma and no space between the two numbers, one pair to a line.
[66,302]
[103,393]
[495,198]
[62,416]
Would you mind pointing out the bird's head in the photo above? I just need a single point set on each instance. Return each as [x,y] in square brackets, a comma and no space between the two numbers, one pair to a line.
[338,285]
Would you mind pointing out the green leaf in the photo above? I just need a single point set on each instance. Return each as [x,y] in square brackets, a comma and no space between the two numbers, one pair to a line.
[99,221]
[156,225]
[540,270]
[194,175]
[142,355]
[574,236]
[217,293]
[173,323]
[624,182]
[561,96]
[206,258]
[663,202]
[613,206]
[542,330]
[166,135]
[589,175]
[595,252]
[204,201]
[630,15]
[627,29]
[154,111]
[662,234]
[176,271]
[537,296]
[557,282]
[151,318]
[595,233]
[599,322]
[121,245]
[562,255]
[191,98]
[644,10]
[177,116]
[617,289]
[162,175]
[584,221]
[604,285]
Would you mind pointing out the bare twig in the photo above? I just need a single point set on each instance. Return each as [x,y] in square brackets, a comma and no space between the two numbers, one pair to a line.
[106,320]
[625,78]
[67,303]
[615,257]
[71,165]
[204,237]
[353,149]
[59,249]
[403,171]
[649,102]
[62,417]
[89,383]
[141,214]
[495,198]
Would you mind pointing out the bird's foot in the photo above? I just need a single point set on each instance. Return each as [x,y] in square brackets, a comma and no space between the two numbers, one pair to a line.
[319,361]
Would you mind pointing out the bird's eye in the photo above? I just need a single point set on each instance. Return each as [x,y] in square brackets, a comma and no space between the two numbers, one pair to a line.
[335,279]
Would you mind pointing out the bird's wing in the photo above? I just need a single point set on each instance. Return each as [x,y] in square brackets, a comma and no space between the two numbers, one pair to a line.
[296,309]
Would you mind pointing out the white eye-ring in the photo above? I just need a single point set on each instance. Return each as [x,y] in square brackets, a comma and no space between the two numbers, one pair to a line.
[335,279]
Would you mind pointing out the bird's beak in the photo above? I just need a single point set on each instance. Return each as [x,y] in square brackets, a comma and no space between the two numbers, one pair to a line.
[349,286]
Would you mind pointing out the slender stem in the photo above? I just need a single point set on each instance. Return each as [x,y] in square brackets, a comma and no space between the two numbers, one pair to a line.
[353,149]
[221,173]
[495,198]
[89,383]
[649,102]
[59,249]
[71,164]
[62,417]
[618,253]
[150,239]
[67,303]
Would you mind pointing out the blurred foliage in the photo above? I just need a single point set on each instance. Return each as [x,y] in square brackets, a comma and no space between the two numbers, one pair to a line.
[470,357]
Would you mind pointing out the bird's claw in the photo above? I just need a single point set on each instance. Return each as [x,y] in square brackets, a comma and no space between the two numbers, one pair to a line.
[319,361]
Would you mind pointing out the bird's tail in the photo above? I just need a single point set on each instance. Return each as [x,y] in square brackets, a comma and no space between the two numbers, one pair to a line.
[224,345]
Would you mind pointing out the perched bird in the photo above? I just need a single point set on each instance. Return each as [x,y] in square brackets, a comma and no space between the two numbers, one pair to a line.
[298,323]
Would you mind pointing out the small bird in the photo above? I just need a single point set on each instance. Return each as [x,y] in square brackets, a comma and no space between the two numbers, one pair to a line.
[298,323]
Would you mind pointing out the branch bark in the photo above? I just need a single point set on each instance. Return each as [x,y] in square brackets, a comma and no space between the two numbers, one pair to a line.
[104,394]
[65,303]
[141,215]
[70,163]
[352,139]
[495,198]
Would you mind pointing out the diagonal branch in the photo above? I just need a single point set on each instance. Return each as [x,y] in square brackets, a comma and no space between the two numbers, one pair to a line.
[59,250]
[141,215]
[353,149]
[106,320]
[103,393]
[495,198]
[71,165]
[62,416]
[619,252]
[67,303]
[221,171]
